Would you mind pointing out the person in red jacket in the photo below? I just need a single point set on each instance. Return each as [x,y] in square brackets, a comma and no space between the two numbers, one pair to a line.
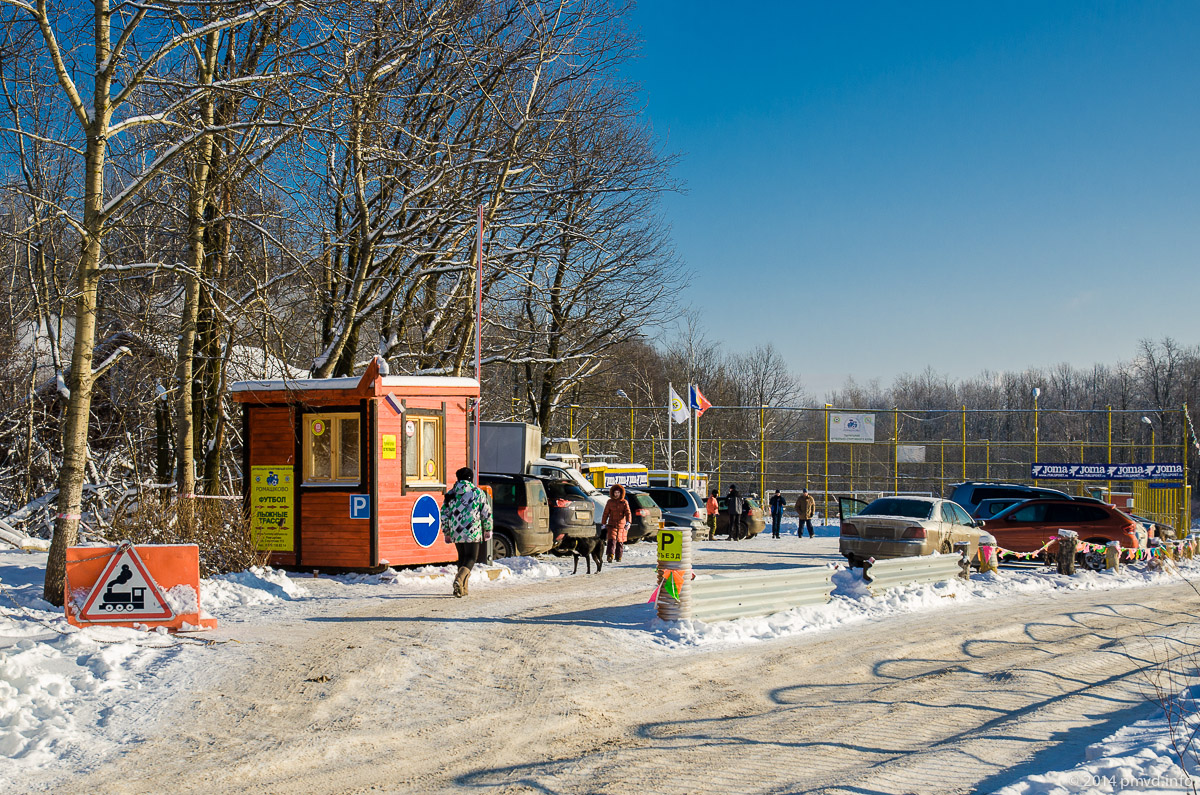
[711,506]
[616,519]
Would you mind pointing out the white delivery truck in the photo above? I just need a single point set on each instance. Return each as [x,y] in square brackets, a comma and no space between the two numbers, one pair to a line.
[515,447]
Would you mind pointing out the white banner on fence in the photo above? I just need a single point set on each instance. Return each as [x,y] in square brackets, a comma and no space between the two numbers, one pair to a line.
[851,427]
[910,454]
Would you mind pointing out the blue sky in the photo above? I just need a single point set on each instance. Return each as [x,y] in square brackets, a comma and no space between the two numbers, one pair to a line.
[875,188]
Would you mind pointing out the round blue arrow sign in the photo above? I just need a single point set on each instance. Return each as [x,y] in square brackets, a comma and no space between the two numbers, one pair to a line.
[426,520]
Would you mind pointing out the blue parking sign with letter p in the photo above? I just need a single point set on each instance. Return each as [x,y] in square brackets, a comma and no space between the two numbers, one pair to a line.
[360,506]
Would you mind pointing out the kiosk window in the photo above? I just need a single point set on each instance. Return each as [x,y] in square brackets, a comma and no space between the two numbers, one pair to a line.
[423,449]
[331,448]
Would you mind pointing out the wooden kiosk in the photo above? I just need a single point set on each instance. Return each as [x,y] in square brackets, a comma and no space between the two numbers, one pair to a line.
[348,473]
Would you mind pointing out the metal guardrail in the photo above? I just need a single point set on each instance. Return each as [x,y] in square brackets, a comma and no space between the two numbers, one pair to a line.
[885,574]
[740,595]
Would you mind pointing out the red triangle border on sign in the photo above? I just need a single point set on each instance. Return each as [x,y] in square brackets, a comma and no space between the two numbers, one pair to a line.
[118,555]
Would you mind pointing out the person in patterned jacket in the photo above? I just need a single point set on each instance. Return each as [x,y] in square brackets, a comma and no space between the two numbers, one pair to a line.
[466,523]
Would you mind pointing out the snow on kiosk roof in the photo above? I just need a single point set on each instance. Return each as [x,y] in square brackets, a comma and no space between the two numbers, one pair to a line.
[348,473]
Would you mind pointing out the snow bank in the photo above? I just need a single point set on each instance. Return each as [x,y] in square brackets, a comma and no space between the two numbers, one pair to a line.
[1140,757]
[852,602]
[257,586]
[60,685]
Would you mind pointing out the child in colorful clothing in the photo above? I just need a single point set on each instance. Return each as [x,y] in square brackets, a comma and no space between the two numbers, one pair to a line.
[466,523]
[616,519]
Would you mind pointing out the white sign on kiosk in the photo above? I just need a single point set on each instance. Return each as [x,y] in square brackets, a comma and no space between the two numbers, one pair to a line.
[126,590]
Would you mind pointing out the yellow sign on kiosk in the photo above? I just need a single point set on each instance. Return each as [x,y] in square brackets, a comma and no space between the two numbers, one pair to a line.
[271,509]
[670,544]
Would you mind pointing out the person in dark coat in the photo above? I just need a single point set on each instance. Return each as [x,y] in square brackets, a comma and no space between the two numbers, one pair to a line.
[733,507]
[806,506]
[777,503]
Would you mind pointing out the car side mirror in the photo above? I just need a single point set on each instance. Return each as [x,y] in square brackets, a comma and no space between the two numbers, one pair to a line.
[980,522]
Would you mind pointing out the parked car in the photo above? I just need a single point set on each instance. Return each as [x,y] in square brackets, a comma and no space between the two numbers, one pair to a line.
[989,508]
[755,522]
[521,515]
[647,516]
[897,527]
[1152,528]
[1027,526]
[970,493]
[681,508]
[571,510]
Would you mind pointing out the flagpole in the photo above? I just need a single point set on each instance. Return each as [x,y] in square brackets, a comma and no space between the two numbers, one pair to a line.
[670,433]
[696,475]
[689,447]
[478,353]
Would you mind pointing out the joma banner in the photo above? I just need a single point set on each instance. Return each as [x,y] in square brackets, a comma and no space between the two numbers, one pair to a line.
[1042,471]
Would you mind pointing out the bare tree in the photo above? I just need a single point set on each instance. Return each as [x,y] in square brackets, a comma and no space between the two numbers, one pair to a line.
[119,53]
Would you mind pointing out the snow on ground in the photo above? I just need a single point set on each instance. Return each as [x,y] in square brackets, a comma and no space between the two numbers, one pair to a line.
[1141,757]
[61,686]
[70,696]
[852,602]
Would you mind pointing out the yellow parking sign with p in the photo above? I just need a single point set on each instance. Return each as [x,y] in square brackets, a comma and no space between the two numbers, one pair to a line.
[670,545]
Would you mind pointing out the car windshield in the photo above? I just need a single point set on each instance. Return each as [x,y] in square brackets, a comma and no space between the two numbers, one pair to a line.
[893,506]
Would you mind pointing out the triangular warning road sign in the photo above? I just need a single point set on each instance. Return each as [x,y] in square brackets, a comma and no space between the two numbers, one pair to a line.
[126,590]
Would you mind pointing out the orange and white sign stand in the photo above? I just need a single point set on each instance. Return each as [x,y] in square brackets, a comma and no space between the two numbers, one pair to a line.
[124,586]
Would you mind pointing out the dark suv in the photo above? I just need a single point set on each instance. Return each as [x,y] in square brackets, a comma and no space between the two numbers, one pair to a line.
[571,512]
[521,515]
[971,493]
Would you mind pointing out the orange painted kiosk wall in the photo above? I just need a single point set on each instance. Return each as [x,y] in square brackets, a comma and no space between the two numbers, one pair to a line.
[313,447]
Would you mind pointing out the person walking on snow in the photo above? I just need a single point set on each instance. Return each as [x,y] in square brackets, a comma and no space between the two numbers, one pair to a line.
[776,513]
[616,519]
[733,506]
[806,506]
[467,523]
[712,508]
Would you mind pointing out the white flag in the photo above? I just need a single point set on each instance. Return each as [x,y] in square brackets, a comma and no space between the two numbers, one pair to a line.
[679,411]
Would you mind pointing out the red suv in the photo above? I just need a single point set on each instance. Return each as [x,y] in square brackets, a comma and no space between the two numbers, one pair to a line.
[1027,526]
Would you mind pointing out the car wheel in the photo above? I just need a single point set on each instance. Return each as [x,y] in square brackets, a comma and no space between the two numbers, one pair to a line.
[503,546]
[1092,561]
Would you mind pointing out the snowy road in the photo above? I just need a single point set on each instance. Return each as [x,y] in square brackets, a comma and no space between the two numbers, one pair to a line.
[564,686]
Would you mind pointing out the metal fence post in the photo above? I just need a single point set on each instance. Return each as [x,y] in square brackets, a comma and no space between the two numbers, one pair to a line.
[762,451]
[1110,449]
[720,463]
[828,406]
[896,450]
[964,438]
[1185,507]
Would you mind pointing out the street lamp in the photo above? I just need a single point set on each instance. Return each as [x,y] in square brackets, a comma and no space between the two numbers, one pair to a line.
[1150,422]
[1036,392]
[621,393]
